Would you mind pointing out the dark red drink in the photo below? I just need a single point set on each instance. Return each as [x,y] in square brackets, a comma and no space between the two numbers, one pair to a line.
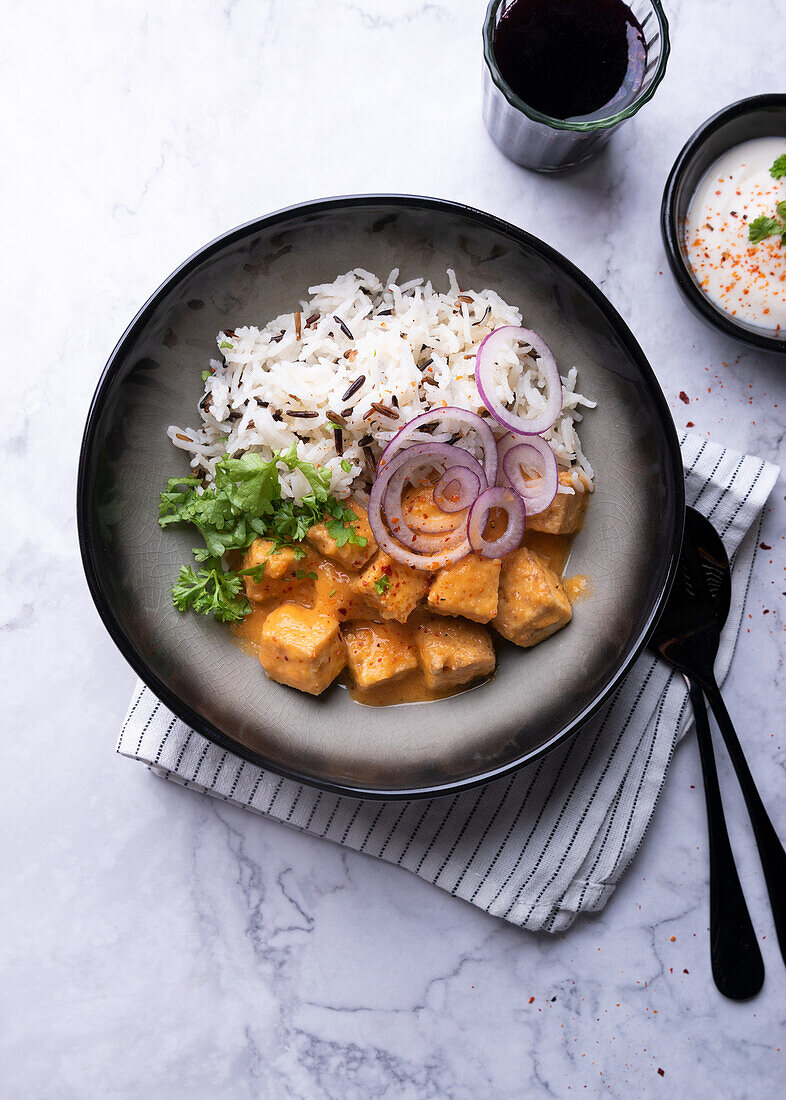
[571,58]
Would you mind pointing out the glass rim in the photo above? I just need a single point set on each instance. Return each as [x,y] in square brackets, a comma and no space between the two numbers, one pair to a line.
[561,123]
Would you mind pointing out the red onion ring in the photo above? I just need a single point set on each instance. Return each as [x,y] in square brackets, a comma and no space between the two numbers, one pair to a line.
[537,493]
[444,533]
[467,486]
[449,412]
[440,549]
[484,379]
[510,502]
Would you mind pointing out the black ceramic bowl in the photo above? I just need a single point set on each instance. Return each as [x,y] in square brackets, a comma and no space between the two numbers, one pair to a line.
[628,547]
[759,116]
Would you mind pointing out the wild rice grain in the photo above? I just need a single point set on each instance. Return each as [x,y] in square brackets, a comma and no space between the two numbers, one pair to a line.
[371,462]
[384,410]
[343,327]
[353,389]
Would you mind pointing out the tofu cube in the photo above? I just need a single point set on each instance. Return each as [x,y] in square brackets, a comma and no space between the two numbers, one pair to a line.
[278,578]
[350,555]
[379,653]
[468,587]
[302,648]
[390,589]
[422,514]
[532,601]
[565,514]
[453,652]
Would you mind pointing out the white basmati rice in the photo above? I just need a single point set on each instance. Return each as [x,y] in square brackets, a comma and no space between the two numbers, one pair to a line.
[414,349]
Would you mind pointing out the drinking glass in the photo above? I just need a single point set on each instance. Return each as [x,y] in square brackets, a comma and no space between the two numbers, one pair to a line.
[547,144]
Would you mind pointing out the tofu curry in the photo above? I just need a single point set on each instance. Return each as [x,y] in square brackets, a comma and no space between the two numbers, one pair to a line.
[382,483]
[395,633]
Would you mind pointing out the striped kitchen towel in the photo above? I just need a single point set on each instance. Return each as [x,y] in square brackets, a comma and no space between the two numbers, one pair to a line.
[549,842]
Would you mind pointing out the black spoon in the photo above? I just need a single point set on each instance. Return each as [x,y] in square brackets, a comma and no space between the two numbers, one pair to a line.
[715,566]
[687,636]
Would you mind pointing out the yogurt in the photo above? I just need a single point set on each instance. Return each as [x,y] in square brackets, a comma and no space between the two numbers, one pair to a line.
[746,280]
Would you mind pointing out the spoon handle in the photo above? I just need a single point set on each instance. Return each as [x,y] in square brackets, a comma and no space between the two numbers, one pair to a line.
[737,965]
[771,853]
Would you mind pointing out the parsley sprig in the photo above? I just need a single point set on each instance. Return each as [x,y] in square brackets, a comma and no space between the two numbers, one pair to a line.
[762,227]
[243,503]
[211,591]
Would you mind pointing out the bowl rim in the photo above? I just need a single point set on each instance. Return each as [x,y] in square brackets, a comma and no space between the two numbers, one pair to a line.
[179,706]
[608,121]
[692,149]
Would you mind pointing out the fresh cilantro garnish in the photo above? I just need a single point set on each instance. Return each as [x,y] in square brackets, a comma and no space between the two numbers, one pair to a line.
[256,572]
[211,591]
[340,523]
[301,575]
[243,503]
[225,344]
[206,374]
[762,227]
[382,584]
[346,465]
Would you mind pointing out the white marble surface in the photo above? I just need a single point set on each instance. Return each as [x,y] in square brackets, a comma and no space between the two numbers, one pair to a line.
[154,943]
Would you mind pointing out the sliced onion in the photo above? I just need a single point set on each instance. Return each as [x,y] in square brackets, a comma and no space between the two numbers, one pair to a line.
[484,378]
[511,503]
[537,493]
[456,489]
[445,533]
[438,550]
[413,431]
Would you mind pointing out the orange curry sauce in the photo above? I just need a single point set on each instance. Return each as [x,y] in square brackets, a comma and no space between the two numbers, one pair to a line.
[332,592]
